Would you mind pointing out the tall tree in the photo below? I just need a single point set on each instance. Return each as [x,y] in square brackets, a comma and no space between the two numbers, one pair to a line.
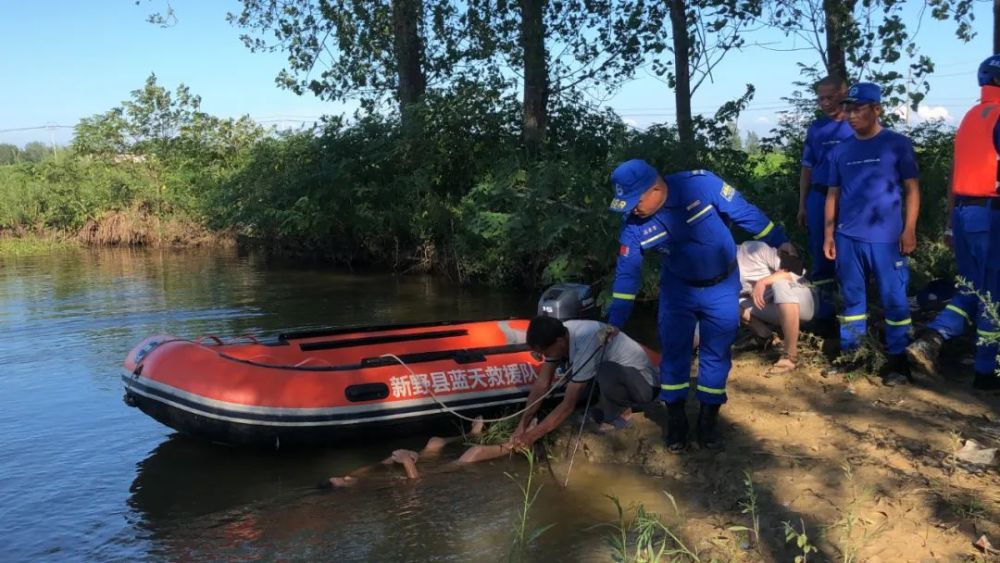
[868,39]
[996,27]
[36,151]
[682,70]
[9,154]
[161,123]
[838,21]
[557,48]
[536,73]
[411,81]
[370,50]
[704,32]
[752,143]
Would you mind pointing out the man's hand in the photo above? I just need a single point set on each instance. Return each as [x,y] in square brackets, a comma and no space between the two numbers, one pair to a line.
[518,435]
[758,294]
[801,218]
[908,242]
[829,248]
[519,444]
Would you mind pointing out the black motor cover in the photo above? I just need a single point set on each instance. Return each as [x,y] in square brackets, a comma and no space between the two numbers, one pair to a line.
[568,301]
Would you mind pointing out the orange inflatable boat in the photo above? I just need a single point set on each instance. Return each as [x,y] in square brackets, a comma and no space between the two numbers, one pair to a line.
[328,386]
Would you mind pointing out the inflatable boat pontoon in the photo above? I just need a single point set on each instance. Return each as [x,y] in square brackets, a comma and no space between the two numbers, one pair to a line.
[328,386]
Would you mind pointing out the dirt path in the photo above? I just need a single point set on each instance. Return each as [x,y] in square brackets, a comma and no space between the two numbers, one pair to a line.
[869,471]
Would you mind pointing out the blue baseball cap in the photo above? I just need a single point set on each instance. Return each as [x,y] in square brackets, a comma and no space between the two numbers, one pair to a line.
[631,180]
[863,93]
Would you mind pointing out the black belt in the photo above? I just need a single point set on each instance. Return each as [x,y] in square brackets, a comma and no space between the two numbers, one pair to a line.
[963,201]
[713,281]
[820,188]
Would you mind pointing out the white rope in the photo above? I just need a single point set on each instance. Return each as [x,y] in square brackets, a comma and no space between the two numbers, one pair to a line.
[602,342]
[446,408]
[583,421]
[579,434]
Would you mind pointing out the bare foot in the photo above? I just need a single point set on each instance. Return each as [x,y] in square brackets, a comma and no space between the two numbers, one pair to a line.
[410,466]
[343,482]
[435,444]
[403,456]
[477,427]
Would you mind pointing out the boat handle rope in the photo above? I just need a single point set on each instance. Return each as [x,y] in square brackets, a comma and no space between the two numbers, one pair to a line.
[562,382]
[311,359]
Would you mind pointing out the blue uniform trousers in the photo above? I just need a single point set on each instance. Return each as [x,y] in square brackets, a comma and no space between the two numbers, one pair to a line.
[822,274]
[715,310]
[986,354]
[977,256]
[856,260]
[973,231]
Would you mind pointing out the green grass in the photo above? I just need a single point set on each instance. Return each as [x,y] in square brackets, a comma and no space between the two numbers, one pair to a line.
[29,246]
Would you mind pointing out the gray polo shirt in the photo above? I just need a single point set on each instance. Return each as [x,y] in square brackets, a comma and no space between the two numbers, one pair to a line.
[584,341]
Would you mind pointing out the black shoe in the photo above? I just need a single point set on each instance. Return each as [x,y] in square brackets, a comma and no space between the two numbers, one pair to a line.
[677,427]
[923,352]
[898,372]
[708,427]
[986,381]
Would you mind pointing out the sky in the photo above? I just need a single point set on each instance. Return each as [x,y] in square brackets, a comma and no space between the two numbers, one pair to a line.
[65,59]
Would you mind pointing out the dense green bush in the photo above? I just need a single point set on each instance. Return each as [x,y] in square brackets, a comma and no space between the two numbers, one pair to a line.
[450,190]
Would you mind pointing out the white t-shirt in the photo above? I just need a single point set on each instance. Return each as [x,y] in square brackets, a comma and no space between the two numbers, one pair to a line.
[584,356]
[756,260]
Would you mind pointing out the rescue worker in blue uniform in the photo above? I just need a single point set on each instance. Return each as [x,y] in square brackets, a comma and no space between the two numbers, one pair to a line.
[974,201]
[682,218]
[822,136]
[865,229]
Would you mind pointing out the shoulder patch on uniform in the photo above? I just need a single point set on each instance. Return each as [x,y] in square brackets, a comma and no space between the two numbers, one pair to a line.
[694,204]
[727,192]
[623,250]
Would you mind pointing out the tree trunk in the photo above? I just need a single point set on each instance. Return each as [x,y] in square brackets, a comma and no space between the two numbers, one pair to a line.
[409,52]
[536,74]
[996,27]
[682,74]
[837,14]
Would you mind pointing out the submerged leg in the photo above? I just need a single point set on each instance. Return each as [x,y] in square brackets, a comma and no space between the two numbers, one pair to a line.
[437,443]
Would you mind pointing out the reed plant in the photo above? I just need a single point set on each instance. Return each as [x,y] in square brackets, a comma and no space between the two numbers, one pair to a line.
[641,536]
[523,537]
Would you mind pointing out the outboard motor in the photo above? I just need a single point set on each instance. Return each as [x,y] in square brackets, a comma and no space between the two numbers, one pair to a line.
[568,301]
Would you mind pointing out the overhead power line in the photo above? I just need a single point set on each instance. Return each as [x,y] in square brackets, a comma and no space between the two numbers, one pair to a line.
[36,128]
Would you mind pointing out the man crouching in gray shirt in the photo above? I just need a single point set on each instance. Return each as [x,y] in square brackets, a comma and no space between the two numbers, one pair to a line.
[587,350]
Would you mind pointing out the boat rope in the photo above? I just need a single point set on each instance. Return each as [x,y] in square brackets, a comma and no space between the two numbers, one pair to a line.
[583,420]
[562,381]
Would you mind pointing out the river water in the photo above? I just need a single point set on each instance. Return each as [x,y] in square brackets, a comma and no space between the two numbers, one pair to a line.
[84,477]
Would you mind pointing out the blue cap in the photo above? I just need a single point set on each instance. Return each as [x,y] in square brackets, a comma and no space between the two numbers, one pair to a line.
[631,180]
[864,93]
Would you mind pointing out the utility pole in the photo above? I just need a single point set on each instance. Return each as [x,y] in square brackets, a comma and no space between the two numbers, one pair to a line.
[52,139]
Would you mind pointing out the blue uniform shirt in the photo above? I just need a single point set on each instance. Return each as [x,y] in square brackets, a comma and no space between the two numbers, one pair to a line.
[821,138]
[690,233]
[870,176]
